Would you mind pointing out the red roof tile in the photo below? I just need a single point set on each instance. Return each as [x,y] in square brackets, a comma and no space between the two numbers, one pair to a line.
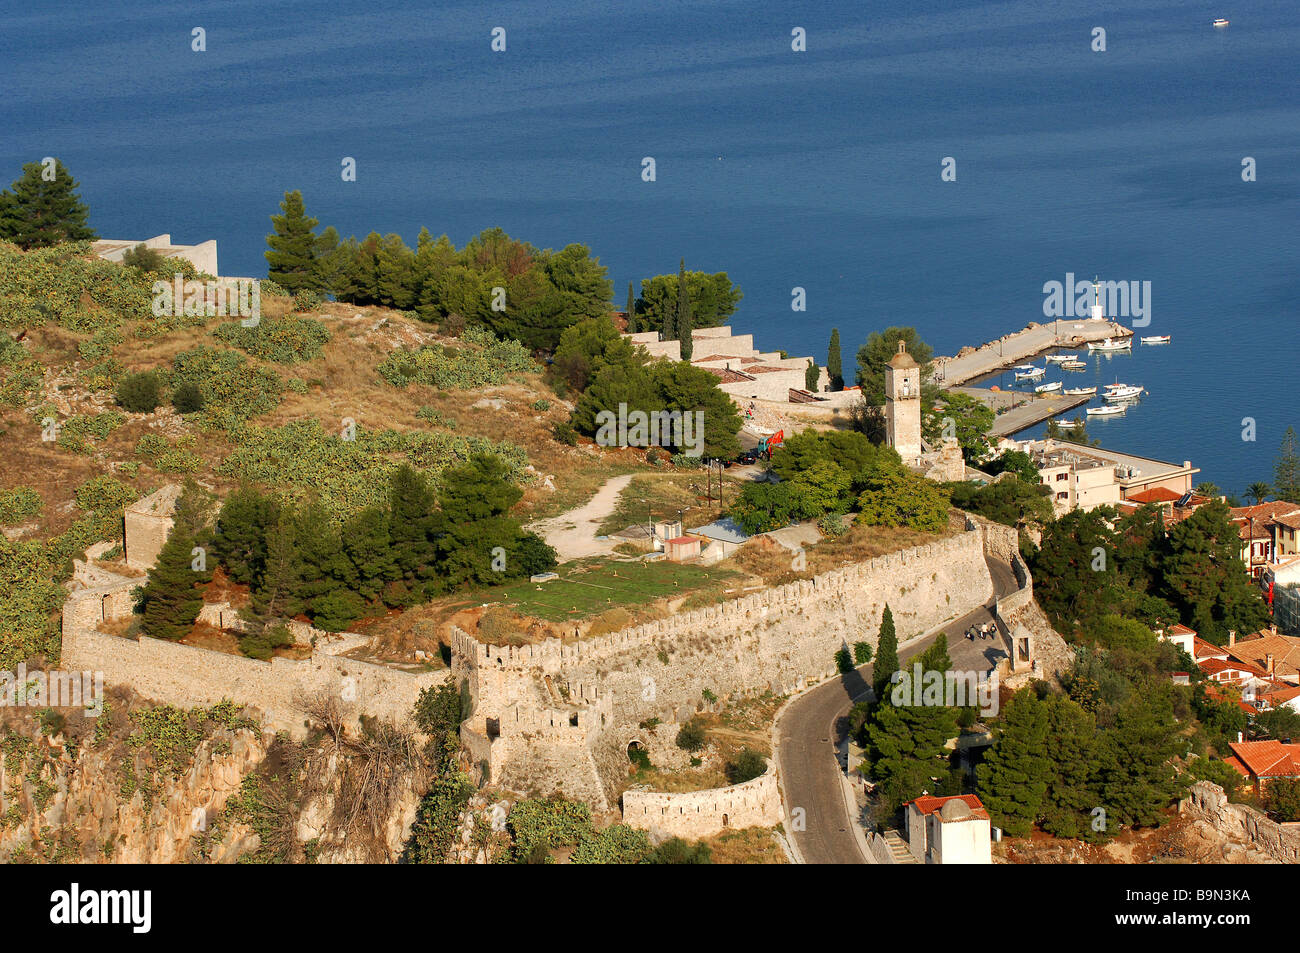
[1157,494]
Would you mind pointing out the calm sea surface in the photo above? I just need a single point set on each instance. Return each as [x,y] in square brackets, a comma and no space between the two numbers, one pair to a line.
[817,169]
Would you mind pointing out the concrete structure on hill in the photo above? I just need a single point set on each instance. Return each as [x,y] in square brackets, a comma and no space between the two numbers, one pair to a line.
[202,256]
[148,523]
[949,830]
[742,371]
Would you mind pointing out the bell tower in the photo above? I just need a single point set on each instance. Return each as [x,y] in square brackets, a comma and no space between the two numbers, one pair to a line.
[903,404]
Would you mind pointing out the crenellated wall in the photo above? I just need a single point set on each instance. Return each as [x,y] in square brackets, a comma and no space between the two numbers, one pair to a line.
[188,676]
[774,640]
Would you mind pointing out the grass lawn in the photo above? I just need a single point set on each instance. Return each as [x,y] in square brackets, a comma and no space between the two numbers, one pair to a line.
[592,586]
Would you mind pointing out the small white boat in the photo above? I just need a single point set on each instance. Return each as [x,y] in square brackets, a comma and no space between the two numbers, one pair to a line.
[1220,23]
[1123,393]
[1158,339]
[1069,424]
[1025,367]
[1061,358]
[1047,388]
[1031,375]
[1079,391]
[1123,344]
[1074,365]
[1110,410]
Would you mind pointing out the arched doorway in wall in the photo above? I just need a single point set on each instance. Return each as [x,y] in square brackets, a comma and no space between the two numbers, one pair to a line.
[637,755]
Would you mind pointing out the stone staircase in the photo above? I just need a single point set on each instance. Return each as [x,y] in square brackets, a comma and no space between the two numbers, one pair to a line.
[898,848]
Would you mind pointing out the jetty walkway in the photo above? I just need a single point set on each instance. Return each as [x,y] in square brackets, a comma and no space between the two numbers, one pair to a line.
[1015,348]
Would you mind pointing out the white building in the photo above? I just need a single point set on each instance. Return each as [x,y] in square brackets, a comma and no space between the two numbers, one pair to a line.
[949,830]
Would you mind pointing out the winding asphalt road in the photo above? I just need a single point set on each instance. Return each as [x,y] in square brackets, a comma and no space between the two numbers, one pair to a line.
[815,723]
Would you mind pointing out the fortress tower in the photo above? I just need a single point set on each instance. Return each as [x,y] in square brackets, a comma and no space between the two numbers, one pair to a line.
[903,405]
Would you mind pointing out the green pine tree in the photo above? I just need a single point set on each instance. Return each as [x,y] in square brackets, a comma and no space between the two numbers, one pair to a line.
[834,361]
[278,595]
[171,598]
[413,528]
[43,209]
[1013,778]
[1286,471]
[291,257]
[886,656]
[683,322]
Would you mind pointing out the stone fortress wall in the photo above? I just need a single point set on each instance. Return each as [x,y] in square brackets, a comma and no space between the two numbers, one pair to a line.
[696,814]
[559,716]
[281,689]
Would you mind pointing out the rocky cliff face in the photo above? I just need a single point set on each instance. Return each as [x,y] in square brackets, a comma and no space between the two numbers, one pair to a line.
[68,800]
[156,785]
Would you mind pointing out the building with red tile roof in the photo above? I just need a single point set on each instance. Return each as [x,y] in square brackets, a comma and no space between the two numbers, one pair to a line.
[949,830]
[1264,761]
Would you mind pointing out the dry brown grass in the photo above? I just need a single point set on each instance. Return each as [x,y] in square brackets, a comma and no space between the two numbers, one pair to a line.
[751,845]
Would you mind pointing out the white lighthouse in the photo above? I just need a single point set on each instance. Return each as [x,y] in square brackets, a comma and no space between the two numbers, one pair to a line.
[1096,312]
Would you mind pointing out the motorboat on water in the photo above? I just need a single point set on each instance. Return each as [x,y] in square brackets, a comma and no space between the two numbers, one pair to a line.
[1079,391]
[1074,365]
[1122,393]
[1033,373]
[1047,388]
[1069,424]
[1061,358]
[1157,339]
[1220,22]
[1111,344]
[1110,410]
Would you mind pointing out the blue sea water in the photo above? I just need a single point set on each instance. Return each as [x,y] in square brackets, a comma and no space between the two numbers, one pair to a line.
[817,169]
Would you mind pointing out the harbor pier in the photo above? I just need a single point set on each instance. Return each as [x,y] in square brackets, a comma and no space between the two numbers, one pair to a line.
[1018,346]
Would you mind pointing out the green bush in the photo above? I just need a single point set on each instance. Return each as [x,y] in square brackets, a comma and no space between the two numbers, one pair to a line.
[861,653]
[746,766]
[187,399]
[289,340]
[138,393]
[307,299]
[843,661]
[486,363]
[565,433]
[18,504]
[262,645]
[691,736]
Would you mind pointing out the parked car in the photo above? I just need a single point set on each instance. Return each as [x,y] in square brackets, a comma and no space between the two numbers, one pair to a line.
[747,457]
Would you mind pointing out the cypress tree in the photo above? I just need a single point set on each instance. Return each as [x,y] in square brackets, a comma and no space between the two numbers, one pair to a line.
[39,213]
[834,363]
[1286,471]
[291,257]
[886,656]
[683,321]
[631,310]
[810,376]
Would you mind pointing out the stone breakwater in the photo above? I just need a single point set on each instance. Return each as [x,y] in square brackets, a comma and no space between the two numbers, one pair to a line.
[560,715]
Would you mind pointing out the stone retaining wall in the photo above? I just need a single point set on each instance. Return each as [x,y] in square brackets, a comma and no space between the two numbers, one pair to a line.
[696,814]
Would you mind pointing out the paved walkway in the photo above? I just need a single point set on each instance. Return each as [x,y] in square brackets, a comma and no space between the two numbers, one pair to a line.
[813,726]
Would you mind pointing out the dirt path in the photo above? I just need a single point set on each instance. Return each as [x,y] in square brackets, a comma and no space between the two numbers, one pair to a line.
[573,534]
